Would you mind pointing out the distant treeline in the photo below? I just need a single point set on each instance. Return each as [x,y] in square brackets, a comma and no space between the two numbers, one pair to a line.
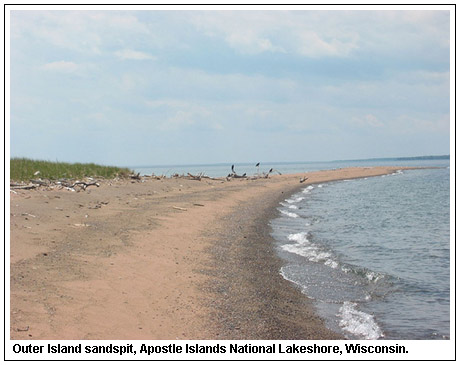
[24,169]
[439,157]
[442,157]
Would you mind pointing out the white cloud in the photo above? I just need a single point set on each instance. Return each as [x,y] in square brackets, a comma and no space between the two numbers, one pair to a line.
[129,54]
[61,66]
[83,31]
[368,120]
[312,45]
[284,32]
[251,43]
[246,32]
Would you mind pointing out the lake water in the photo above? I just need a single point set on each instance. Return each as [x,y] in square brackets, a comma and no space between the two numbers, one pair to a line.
[373,253]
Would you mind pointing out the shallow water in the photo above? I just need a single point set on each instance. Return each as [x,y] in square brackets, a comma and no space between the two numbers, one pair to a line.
[373,253]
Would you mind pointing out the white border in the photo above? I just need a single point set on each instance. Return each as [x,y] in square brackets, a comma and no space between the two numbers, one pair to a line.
[418,350]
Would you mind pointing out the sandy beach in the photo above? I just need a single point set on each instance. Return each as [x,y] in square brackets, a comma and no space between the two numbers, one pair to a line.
[158,259]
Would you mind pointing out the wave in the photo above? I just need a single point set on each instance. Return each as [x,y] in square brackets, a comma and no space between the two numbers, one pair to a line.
[358,323]
[289,214]
[303,247]
[308,189]
[295,200]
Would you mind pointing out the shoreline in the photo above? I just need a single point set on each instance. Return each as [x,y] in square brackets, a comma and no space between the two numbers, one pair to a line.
[255,301]
[163,259]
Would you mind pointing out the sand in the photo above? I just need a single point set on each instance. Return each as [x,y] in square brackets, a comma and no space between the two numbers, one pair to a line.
[157,259]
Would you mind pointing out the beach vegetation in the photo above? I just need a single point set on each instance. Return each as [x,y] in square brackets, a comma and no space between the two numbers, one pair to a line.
[24,169]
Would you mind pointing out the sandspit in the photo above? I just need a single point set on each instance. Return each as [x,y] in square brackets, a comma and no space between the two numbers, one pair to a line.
[158,259]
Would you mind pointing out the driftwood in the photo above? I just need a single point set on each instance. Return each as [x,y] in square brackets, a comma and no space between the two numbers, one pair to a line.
[136,177]
[81,184]
[84,185]
[303,179]
[158,177]
[236,176]
[48,184]
[263,175]
[23,187]
[195,177]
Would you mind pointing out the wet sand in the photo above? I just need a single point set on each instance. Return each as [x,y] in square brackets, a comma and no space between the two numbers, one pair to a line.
[158,259]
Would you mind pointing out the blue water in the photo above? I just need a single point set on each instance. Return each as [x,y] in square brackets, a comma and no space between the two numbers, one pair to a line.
[373,253]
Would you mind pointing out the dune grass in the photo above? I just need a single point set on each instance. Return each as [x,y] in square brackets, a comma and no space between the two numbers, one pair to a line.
[23,169]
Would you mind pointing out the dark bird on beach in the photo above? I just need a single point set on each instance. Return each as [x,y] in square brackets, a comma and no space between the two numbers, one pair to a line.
[257,164]
[233,166]
[270,170]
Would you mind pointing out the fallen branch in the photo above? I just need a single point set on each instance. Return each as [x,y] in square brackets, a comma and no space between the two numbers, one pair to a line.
[179,208]
[195,177]
[25,187]
[236,176]
[303,179]
[84,185]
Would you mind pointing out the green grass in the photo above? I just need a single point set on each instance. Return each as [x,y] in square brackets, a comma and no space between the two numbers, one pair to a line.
[23,169]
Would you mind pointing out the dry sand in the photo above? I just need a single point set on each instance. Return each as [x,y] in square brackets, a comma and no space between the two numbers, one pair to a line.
[159,259]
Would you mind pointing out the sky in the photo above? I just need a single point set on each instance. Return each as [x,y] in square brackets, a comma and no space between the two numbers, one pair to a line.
[156,87]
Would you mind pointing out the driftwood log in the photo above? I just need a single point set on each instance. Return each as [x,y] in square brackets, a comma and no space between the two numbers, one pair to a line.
[236,176]
[23,187]
[195,177]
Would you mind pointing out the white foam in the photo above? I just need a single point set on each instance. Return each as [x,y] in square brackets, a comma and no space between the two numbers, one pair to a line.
[289,214]
[307,189]
[301,250]
[295,200]
[359,323]
[303,247]
[293,206]
[331,263]
[372,276]
[298,237]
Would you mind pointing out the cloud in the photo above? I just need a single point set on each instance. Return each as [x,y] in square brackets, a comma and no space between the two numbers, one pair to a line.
[61,66]
[313,46]
[86,32]
[251,43]
[281,32]
[368,120]
[129,54]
